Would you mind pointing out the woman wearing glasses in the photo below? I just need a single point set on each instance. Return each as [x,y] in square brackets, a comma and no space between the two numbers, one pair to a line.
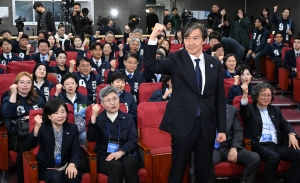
[116,139]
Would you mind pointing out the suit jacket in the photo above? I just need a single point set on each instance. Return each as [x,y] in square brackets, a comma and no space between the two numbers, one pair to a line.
[181,110]
[105,29]
[290,59]
[253,123]
[37,59]
[98,132]
[223,30]
[70,151]
[234,131]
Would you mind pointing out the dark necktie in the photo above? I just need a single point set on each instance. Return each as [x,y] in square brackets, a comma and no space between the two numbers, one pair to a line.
[7,58]
[217,144]
[199,81]
[43,59]
[129,76]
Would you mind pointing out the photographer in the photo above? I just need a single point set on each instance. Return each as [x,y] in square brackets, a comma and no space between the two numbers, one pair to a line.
[78,19]
[85,13]
[45,18]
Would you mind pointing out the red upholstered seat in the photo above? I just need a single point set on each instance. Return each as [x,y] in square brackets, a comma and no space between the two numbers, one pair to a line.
[297,89]
[53,78]
[82,90]
[71,55]
[4,68]
[270,69]
[146,90]
[283,78]
[224,169]
[228,83]
[20,66]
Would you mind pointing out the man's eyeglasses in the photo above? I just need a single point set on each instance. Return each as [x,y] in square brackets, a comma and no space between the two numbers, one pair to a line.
[110,100]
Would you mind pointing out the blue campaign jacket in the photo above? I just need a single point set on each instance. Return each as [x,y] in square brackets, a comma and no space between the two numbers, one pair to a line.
[259,40]
[157,96]
[55,69]
[14,57]
[130,104]
[90,85]
[98,132]
[13,111]
[274,51]
[283,25]
[45,89]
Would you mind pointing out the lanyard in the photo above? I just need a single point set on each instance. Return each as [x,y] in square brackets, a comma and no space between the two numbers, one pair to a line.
[109,133]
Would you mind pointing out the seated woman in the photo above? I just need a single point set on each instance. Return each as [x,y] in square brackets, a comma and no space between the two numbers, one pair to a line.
[41,83]
[118,81]
[77,45]
[178,37]
[22,98]
[54,46]
[59,151]
[165,93]
[116,137]
[244,74]
[108,52]
[67,91]
[229,66]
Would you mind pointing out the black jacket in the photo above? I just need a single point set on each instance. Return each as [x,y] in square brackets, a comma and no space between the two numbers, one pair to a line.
[259,39]
[290,59]
[14,57]
[37,59]
[49,21]
[274,51]
[103,30]
[79,23]
[224,30]
[283,25]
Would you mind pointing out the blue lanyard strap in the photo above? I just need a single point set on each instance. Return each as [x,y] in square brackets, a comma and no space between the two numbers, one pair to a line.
[109,133]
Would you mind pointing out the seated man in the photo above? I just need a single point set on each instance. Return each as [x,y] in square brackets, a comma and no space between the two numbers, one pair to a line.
[257,45]
[21,45]
[43,54]
[230,45]
[110,38]
[274,50]
[134,46]
[218,52]
[7,55]
[6,34]
[87,78]
[291,56]
[98,64]
[272,137]
[233,151]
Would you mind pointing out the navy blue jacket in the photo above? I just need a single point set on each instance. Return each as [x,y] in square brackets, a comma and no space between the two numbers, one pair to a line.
[13,111]
[259,39]
[236,90]
[232,46]
[45,89]
[36,58]
[1,71]
[16,49]
[290,59]
[121,62]
[90,85]
[103,67]
[283,25]
[55,69]
[80,99]
[274,51]
[14,57]
[157,96]
[70,147]
[69,48]
[227,74]
[130,104]
[92,39]
[98,132]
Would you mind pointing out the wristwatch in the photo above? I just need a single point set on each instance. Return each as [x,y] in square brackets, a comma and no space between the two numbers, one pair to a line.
[293,69]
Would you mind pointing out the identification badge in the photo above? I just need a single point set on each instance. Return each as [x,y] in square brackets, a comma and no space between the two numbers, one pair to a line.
[267,137]
[58,159]
[112,147]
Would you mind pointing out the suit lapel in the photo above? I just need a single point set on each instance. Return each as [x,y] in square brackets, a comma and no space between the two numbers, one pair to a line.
[50,139]
[189,66]
[272,116]
[208,71]
[257,113]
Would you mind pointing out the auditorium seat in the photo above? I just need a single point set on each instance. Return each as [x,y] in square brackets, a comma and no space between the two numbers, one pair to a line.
[71,55]
[99,87]
[146,90]
[20,66]
[228,83]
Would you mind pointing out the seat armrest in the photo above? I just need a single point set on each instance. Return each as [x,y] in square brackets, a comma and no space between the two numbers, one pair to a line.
[30,168]
[247,143]
[145,158]
[3,149]
[89,162]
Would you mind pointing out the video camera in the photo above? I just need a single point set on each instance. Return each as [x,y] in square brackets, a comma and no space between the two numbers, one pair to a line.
[20,23]
[99,21]
[133,21]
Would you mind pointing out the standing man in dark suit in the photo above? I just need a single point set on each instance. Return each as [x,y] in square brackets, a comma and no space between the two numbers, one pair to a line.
[233,150]
[272,137]
[197,106]
[152,19]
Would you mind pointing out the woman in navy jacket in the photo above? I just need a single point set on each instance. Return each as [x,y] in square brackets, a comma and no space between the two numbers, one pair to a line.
[41,83]
[244,74]
[116,139]
[22,98]
[67,91]
[229,66]
[59,151]
[165,93]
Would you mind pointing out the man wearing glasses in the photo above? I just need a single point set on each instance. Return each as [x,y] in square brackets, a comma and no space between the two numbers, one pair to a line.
[272,137]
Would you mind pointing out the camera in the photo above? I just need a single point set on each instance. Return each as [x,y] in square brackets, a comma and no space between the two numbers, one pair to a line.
[20,23]
[99,21]
[133,21]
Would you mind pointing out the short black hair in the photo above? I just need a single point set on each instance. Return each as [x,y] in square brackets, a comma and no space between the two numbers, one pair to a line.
[242,68]
[94,45]
[278,32]
[52,107]
[105,20]
[117,75]
[60,51]
[286,8]
[43,41]
[37,4]
[85,11]
[133,55]
[43,32]
[226,58]
[5,31]
[83,59]
[109,32]
[74,4]
[166,10]
[189,27]
[24,36]
[67,76]
[215,35]
[88,30]
[262,20]
[167,21]
[259,88]
[6,40]
[164,80]
[35,68]
[174,9]
[217,46]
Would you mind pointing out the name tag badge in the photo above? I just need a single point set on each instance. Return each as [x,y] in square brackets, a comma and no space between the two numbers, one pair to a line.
[267,137]
[58,159]
[112,147]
